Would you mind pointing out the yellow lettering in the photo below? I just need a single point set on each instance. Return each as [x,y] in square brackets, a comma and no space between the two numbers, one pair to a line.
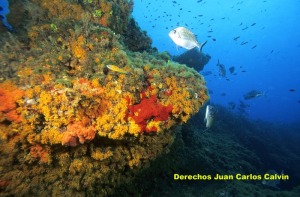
[200,177]
[267,176]
[238,176]
[285,177]
[276,177]
[247,177]
[176,176]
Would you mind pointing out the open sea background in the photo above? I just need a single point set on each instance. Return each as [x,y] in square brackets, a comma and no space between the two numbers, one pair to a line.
[3,12]
[273,66]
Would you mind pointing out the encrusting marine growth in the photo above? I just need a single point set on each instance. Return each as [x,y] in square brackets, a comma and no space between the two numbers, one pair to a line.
[69,125]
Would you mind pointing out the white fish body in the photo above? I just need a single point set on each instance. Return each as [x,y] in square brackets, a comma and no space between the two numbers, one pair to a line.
[272,183]
[209,116]
[183,37]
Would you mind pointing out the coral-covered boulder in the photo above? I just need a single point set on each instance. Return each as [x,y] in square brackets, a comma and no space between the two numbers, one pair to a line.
[73,125]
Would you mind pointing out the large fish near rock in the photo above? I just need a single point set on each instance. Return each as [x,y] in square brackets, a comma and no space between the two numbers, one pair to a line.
[209,118]
[185,38]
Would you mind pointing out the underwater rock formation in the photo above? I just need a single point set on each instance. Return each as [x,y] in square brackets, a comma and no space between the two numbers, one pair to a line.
[67,125]
[135,39]
[193,58]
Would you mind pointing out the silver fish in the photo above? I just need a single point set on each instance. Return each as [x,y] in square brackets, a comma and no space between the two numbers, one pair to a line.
[253,94]
[209,116]
[272,183]
[185,38]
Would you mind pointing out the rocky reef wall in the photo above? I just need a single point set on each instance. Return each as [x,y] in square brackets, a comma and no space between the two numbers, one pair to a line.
[69,124]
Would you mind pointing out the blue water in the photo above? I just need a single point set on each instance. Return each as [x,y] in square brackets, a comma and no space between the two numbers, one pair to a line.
[3,12]
[273,66]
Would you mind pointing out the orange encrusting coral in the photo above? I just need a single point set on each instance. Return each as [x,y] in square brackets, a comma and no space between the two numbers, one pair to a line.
[106,8]
[38,152]
[9,95]
[78,133]
[149,109]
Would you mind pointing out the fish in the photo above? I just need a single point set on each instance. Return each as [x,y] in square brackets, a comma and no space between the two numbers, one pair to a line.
[231,69]
[231,105]
[222,70]
[210,113]
[253,94]
[236,38]
[242,107]
[183,37]
[272,183]
[117,69]
[206,73]
[244,42]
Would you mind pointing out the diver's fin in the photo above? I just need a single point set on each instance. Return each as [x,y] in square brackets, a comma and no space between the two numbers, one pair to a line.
[202,45]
